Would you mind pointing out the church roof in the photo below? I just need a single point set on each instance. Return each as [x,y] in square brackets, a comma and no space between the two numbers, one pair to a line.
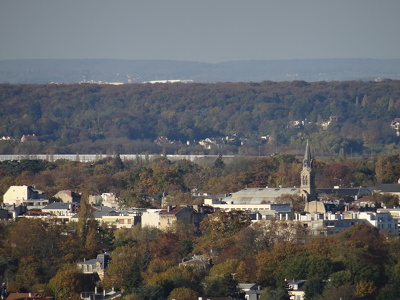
[264,192]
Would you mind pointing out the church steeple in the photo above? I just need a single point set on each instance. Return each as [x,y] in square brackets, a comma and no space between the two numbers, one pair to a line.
[307,161]
[307,186]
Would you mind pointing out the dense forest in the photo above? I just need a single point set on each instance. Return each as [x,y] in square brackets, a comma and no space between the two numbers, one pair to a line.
[142,183]
[90,118]
[359,263]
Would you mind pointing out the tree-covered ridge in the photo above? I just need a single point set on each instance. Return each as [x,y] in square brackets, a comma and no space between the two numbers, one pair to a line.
[94,118]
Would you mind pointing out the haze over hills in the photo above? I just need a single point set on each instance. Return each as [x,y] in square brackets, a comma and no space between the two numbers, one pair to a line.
[136,71]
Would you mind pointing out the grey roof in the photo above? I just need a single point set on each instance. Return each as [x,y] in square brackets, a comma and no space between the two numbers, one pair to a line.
[101,211]
[264,192]
[389,188]
[103,259]
[357,191]
[59,205]
[248,286]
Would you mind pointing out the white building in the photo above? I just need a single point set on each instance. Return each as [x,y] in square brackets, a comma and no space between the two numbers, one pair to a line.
[330,223]
[25,195]
[264,211]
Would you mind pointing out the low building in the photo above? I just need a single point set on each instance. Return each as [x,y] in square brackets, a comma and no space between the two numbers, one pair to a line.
[295,289]
[261,211]
[109,294]
[329,223]
[25,195]
[199,262]
[251,291]
[96,265]
[60,211]
[68,196]
[259,195]
[164,218]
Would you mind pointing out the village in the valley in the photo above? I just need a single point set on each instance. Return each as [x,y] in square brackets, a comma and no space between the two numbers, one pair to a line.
[287,215]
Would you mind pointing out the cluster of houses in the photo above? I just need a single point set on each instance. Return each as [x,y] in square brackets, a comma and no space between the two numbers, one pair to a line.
[321,216]
[214,142]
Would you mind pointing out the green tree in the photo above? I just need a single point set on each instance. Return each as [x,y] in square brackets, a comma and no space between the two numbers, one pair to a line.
[69,283]
[313,288]
[221,286]
[182,293]
[133,278]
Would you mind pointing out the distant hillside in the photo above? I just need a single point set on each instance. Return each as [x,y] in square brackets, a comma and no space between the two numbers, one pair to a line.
[345,117]
[135,71]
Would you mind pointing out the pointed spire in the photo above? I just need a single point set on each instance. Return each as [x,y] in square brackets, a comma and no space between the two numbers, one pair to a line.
[307,156]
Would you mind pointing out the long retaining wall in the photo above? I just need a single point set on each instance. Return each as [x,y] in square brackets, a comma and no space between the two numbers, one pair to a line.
[96,157]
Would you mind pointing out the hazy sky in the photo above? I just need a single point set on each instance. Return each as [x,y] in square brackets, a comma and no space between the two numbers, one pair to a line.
[202,30]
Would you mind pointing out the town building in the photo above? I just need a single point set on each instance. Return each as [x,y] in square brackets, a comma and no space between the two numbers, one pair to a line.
[25,195]
[68,196]
[95,266]
[164,218]
[330,223]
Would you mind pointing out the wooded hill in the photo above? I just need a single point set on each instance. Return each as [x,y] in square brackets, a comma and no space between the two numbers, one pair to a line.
[90,118]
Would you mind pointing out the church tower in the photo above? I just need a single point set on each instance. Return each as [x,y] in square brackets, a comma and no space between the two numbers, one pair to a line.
[307,185]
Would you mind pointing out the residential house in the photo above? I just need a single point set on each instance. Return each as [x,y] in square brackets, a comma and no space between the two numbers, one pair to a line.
[29,138]
[109,294]
[61,212]
[296,289]
[251,291]
[393,189]
[329,223]
[263,211]
[329,121]
[68,196]
[164,218]
[396,125]
[161,141]
[25,195]
[96,265]
[109,199]
[354,193]
[113,217]
[200,262]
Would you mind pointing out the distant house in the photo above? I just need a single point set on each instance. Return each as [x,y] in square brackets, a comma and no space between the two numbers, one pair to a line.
[329,121]
[296,289]
[396,125]
[109,199]
[104,295]
[251,291]
[96,265]
[68,196]
[113,217]
[61,211]
[161,140]
[164,218]
[354,192]
[329,223]
[29,138]
[393,189]
[25,195]
[199,262]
